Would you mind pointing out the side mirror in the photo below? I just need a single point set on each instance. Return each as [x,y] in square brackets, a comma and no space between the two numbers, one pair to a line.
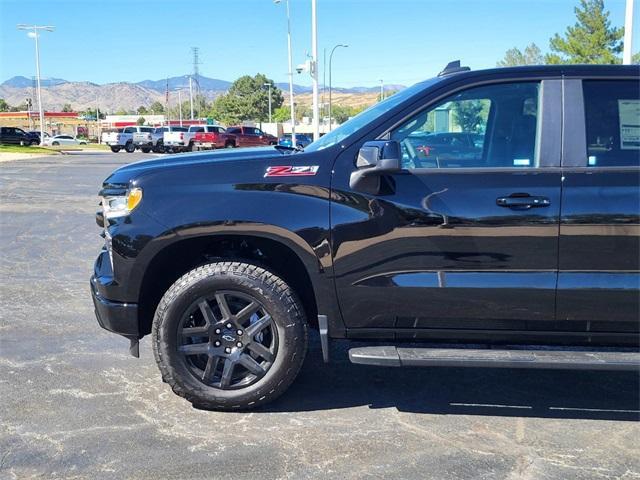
[375,160]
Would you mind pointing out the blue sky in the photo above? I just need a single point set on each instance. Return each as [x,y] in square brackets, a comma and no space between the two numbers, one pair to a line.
[399,41]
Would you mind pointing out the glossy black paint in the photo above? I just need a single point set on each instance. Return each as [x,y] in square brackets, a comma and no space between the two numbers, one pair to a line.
[433,256]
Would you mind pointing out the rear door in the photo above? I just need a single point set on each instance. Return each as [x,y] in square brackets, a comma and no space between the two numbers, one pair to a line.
[599,271]
[457,245]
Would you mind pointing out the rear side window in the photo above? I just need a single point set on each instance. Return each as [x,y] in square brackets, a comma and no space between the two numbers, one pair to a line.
[233,130]
[612,119]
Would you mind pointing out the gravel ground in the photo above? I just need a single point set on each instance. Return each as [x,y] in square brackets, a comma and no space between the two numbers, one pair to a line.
[74,404]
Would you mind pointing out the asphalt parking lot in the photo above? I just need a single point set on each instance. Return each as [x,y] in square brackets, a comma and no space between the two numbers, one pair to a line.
[74,404]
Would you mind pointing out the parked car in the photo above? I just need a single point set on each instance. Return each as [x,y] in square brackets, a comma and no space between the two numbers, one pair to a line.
[251,137]
[157,137]
[181,141]
[57,140]
[17,136]
[129,138]
[36,134]
[529,258]
[210,137]
[441,148]
[302,140]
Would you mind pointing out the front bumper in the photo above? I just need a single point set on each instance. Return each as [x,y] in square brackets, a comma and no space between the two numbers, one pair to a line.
[116,317]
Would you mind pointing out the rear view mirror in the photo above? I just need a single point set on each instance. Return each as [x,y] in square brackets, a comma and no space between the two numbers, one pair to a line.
[375,159]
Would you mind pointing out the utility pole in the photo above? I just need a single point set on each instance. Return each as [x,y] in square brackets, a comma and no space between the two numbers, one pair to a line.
[269,85]
[180,105]
[33,33]
[291,101]
[191,97]
[196,73]
[381,89]
[314,70]
[628,33]
[98,119]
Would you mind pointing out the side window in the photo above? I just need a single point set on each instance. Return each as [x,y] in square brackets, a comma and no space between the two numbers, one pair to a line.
[612,120]
[492,126]
[128,130]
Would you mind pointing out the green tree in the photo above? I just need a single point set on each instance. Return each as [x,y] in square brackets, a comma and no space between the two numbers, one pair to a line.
[635,58]
[157,108]
[247,99]
[140,121]
[530,56]
[142,110]
[469,114]
[121,111]
[591,40]
[282,114]
[4,106]
[67,107]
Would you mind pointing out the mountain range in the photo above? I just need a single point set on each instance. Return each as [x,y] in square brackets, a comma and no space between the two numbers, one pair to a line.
[111,97]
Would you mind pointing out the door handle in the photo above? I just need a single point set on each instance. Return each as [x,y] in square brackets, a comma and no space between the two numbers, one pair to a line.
[522,201]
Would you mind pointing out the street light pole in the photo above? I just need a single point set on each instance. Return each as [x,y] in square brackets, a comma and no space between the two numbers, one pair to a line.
[330,88]
[381,89]
[33,33]
[314,70]
[269,86]
[180,105]
[291,101]
[628,33]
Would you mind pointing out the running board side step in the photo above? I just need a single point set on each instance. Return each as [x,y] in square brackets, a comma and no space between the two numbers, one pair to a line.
[391,356]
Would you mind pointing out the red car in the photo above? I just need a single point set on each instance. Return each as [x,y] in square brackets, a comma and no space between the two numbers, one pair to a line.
[213,136]
[251,137]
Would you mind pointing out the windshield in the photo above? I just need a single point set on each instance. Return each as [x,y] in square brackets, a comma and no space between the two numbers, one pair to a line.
[365,117]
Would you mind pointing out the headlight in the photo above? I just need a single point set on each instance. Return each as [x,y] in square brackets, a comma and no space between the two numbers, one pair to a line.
[121,205]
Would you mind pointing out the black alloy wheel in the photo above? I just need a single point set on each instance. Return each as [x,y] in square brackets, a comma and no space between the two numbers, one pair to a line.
[228,341]
[229,336]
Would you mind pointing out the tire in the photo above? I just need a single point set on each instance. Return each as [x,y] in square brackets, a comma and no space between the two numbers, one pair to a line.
[115,149]
[229,145]
[145,149]
[279,320]
[55,144]
[83,143]
[130,147]
[189,147]
[159,148]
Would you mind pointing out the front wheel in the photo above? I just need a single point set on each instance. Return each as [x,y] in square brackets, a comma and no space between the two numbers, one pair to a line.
[145,149]
[229,336]
[55,144]
[115,149]
[130,147]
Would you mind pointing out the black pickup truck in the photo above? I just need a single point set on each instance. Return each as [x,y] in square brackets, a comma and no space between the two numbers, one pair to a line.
[518,250]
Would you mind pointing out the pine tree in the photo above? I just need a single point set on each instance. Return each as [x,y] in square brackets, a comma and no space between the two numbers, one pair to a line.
[591,40]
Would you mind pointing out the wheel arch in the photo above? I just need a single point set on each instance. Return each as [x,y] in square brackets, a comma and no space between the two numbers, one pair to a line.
[284,253]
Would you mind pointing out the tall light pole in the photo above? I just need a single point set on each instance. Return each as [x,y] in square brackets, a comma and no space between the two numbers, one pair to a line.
[381,89]
[314,70]
[180,105]
[293,115]
[191,96]
[628,33]
[330,59]
[33,33]
[269,86]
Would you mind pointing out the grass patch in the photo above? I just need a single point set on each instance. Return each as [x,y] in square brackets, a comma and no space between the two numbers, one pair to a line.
[25,149]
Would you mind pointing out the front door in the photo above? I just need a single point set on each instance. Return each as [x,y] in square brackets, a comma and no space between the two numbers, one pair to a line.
[462,239]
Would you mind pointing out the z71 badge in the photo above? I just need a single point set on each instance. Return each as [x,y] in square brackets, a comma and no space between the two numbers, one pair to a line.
[291,171]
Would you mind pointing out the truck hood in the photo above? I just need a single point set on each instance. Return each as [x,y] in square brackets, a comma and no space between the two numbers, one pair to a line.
[134,170]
